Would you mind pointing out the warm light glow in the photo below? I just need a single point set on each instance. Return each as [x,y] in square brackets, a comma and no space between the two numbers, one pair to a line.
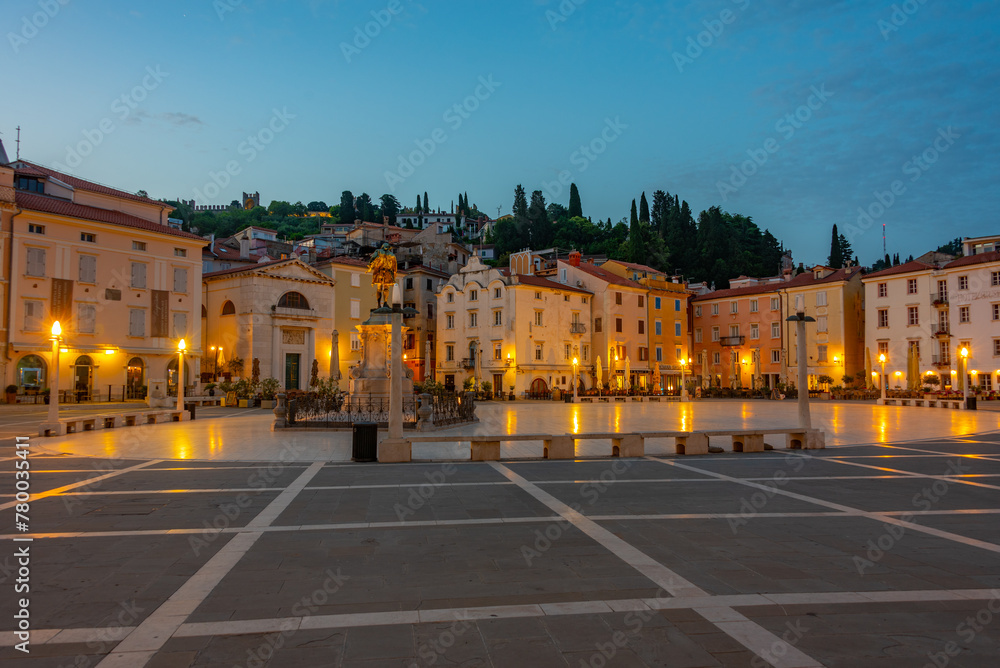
[64,350]
[899,373]
[975,373]
[744,360]
[109,352]
[56,328]
[881,358]
[928,373]
[508,355]
[181,346]
[404,357]
[575,361]
[875,374]
[954,373]
[212,348]
[965,352]
[616,358]
[836,360]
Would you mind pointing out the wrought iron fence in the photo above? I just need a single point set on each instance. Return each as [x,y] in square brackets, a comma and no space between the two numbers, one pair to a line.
[332,412]
[453,409]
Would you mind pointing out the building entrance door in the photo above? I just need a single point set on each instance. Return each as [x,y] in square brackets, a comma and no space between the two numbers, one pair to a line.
[292,361]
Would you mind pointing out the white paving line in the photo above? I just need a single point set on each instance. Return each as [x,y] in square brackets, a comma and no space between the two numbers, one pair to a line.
[82,483]
[749,634]
[875,515]
[913,474]
[143,642]
[356,620]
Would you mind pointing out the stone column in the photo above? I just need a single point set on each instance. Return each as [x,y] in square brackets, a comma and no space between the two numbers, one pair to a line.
[276,352]
[310,354]
[805,420]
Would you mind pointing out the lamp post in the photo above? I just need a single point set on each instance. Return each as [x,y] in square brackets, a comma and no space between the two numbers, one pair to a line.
[964,357]
[181,346]
[800,319]
[881,382]
[52,426]
[215,364]
[576,380]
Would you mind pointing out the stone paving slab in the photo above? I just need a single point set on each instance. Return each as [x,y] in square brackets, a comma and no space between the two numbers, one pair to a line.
[412,503]
[140,512]
[254,478]
[935,465]
[808,555]
[397,474]
[898,494]
[420,567]
[783,465]
[971,525]
[650,498]
[617,469]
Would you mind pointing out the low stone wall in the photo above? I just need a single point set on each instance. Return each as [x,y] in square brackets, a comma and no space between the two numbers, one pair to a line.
[423,412]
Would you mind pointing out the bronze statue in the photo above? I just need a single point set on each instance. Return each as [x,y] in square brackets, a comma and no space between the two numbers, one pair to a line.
[382,265]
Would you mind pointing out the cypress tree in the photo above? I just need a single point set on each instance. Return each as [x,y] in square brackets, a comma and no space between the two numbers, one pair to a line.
[575,207]
[427,209]
[836,258]
[643,208]
[347,208]
[634,217]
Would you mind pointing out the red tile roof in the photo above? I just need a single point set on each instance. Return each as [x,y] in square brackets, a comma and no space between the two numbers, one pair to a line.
[345,259]
[808,278]
[226,253]
[538,281]
[30,168]
[905,268]
[606,276]
[739,292]
[638,267]
[981,258]
[61,207]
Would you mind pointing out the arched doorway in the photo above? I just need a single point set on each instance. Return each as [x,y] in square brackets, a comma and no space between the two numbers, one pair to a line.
[539,389]
[172,376]
[83,378]
[31,374]
[135,376]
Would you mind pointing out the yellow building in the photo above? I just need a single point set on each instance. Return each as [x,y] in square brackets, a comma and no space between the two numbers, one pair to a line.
[354,299]
[105,263]
[667,316]
[836,341]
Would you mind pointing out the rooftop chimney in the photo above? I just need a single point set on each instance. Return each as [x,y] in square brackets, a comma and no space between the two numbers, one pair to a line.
[245,247]
[574,258]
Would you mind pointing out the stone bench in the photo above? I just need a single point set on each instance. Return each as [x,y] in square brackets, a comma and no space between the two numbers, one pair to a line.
[749,440]
[484,448]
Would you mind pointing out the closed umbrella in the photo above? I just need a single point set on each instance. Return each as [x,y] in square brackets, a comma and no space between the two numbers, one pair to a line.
[628,373]
[478,369]
[868,368]
[732,369]
[612,372]
[914,369]
[784,366]
[756,369]
[335,356]
[656,376]
[706,380]
[599,374]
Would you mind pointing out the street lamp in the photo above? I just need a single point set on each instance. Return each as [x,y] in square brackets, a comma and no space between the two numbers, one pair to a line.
[215,364]
[575,380]
[881,359]
[964,356]
[181,346]
[684,389]
[52,426]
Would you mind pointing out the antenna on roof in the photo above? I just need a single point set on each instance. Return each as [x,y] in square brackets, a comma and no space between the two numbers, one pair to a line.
[883,240]
[18,142]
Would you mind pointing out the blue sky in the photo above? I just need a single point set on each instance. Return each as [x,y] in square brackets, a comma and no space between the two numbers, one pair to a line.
[671,95]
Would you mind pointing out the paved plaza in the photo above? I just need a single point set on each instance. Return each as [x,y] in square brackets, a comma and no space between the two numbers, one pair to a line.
[220,543]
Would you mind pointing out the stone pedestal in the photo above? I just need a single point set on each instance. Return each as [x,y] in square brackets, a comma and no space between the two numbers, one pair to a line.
[371,376]
[394,450]
[158,394]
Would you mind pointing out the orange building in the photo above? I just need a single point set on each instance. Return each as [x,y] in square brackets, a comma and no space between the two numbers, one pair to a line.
[737,337]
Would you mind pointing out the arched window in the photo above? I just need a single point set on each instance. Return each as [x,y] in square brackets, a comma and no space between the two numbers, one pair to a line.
[31,372]
[293,300]
[228,308]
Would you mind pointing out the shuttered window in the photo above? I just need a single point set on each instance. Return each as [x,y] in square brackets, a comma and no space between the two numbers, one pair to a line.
[86,318]
[180,325]
[138,275]
[36,262]
[32,316]
[136,322]
[88,269]
[180,280]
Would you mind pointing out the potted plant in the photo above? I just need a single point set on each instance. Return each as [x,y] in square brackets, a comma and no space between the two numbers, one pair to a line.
[11,392]
[486,388]
[931,381]
[210,388]
[511,397]
[269,388]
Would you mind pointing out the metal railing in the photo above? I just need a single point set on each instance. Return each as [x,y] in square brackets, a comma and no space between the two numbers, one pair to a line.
[941,328]
[731,340]
[939,299]
[578,328]
[468,363]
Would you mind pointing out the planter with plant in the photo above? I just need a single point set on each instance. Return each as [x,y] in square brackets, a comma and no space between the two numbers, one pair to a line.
[11,392]
[269,388]
[210,388]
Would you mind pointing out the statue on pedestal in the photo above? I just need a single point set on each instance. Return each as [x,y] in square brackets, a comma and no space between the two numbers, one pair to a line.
[382,265]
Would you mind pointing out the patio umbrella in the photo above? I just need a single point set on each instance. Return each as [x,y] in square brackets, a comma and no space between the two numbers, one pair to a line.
[914,372]
[868,368]
[598,374]
[222,362]
[628,373]
[478,370]
[756,368]
[612,372]
[732,369]
[335,356]
[705,378]
[656,375]
[784,366]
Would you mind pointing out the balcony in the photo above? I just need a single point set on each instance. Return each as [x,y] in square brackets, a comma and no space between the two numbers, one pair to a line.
[469,363]
[941,329]
[309,313]
[577,328]
[939,299]
[941,360]
[730,341]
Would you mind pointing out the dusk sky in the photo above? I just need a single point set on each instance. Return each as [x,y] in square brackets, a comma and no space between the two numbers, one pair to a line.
[623,97]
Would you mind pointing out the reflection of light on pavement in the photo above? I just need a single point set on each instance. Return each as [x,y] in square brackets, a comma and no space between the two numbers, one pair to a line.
[576,418]
[182,446]
[511,422]
[618,417]
[883,429]
[836,418]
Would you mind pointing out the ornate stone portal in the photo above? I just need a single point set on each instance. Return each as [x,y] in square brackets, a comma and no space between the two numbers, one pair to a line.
[372,376]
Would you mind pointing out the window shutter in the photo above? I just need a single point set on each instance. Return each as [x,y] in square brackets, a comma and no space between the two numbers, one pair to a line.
[88,269]
[180,325]
[36,262]
[86,318]
[138,275]
[137,322]
[180,280]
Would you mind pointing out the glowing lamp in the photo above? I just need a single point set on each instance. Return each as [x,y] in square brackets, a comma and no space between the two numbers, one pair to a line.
[109,352]
[56,329]
[181,346]
[964,352]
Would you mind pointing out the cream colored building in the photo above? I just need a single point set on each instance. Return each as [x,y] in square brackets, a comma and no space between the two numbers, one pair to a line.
[354,300]
[667,320]
[523,331]
[279,313]
[619,322]
[835,343]
[123,284]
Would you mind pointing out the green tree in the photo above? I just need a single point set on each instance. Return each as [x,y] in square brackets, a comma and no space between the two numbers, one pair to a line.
[836,257]
[633,217]
[365,208]
[643,208]
[279,208]
[318,205]
[390,207]
[347,214]
[539,226]
[575,206]
[426,207]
